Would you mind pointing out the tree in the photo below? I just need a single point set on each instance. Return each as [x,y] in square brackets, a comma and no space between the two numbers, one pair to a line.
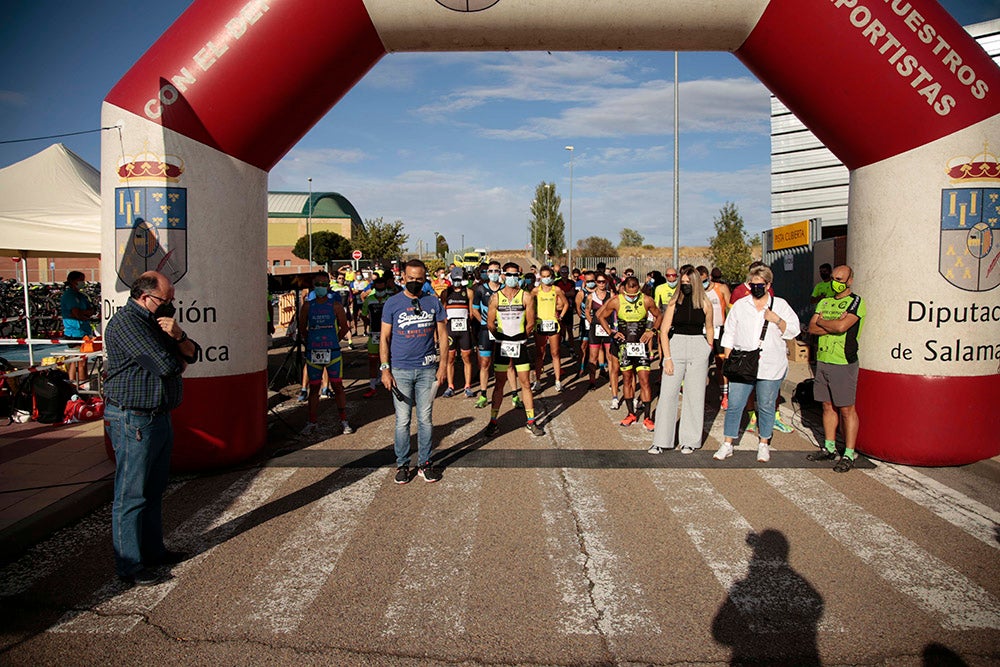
[326,247]
[631,239]
[381,240]
[730,247]
[440,245]
[546,228]
[595,246]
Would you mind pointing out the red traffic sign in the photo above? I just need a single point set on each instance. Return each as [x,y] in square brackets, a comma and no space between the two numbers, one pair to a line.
[356,254]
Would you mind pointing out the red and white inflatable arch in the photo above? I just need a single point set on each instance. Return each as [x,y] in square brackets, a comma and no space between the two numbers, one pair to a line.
[895,88]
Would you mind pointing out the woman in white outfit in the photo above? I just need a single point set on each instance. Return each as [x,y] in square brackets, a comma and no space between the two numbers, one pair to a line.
[686,337]
[742,332]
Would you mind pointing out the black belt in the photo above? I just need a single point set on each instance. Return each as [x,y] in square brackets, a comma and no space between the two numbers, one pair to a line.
[141,411]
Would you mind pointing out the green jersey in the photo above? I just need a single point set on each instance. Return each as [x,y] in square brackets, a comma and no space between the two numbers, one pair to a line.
[842,348]
[822,290]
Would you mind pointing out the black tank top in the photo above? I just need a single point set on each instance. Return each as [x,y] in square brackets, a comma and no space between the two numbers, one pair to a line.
[688,320]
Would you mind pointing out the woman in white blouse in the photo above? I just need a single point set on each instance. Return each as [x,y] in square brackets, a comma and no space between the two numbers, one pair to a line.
[742,332]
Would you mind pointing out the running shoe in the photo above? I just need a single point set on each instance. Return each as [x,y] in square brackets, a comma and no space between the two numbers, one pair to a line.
[429,473]
[326,393]
[822,455]
[469,393]
[482,401]
[615,402]
[492,428]
[629,420]
[844,464]
[345,428]
[763,452]
[725,451]
[449,392]
[517,402]
[534,429]
[372,391]
[402,475]
[780,425]
[649,424]
[725,401]
[535,386]
[654,450]
[687,449]
[559,386]
[303,395]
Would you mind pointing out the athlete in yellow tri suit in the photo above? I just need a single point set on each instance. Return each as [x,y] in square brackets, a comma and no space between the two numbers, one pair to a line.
[551,306]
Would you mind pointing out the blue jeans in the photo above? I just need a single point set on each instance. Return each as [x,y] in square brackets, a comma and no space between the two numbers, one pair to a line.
[767,395]
[416,385]
[142,445]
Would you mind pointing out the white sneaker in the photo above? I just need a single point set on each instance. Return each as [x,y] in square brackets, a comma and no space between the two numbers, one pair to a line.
[763,452]
[535,386]
[654,450]
[559,386]
[725,451]
[346,428]
[687,450]
[615,402]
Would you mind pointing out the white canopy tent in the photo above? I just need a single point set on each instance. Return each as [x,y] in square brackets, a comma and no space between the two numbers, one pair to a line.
[50,206]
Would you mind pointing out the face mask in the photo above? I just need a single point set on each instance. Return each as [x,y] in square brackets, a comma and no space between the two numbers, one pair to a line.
[838,287]
[381,292]
[591,284]
[687,289]
[758,290]
[631,298]
[483,275]
[320,292]
[512,281]
[705,284]
[414,286]
[547,280]
[165,310]
[494,276]
[650,282]
[672,283]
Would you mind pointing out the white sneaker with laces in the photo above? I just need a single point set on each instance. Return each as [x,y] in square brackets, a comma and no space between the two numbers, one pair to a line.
[654,450]
[763,452]
[559,386]
[687,450]
[725,451]
[346,428]
[615,402]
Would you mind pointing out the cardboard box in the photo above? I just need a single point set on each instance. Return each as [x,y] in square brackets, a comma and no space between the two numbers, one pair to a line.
[798,352]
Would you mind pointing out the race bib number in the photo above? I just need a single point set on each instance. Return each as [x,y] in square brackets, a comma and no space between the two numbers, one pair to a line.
[547,326]
[635,350]
[321,357]
[599,330]
[511,349]
[459,324]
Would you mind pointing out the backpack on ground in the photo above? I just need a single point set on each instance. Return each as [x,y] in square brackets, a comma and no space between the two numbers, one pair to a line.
[52,390]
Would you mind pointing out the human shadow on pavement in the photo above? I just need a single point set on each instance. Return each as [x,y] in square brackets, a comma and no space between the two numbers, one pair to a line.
[939,655]
[771,616]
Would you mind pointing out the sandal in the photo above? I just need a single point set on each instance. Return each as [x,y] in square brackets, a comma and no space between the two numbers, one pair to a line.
[822,455]
[843,465]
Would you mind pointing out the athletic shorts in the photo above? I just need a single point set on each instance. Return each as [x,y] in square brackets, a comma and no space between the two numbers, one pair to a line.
[627,363]
[597,341]
[502,363]
[717,343]
[546,334]
[836,383]
[460,340]
[584,330]
[333,369]
[485,342]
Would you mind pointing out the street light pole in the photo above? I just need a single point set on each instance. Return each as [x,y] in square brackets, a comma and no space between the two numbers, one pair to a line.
[677,178]
[547,190]
[570,245]
[309,224]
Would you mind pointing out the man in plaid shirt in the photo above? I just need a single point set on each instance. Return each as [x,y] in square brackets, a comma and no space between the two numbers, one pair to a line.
[147,352]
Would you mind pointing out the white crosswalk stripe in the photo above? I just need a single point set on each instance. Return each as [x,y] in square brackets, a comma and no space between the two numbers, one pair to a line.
[120,609]
[954,507]
[941,591]
[719,533]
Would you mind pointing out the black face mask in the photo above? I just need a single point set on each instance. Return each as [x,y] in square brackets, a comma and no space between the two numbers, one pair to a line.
[758,290]
[414,286]
[686,289]
[164,310]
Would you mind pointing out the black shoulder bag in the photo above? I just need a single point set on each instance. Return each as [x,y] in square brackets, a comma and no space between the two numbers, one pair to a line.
[741,365]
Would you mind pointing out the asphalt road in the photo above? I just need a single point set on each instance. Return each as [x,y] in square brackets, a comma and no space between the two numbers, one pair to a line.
[575,548]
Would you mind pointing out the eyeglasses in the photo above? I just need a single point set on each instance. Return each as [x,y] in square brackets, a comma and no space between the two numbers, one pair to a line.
[671,275]
[513,275]
[602,282]
[159,298]
[416,306]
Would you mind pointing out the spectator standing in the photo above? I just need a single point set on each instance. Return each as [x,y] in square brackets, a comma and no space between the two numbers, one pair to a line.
[147,351]
[76,314]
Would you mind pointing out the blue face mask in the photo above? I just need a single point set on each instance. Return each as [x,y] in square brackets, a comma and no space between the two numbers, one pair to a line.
[672,283]
[547,280]
[512,281]
[482,274]
[591,284]
[320,292]
[494,276]
[705,284]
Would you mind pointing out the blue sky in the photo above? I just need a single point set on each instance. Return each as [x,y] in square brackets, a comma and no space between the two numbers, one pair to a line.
[453,143]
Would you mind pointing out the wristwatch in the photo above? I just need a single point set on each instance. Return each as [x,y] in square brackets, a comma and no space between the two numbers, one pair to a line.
[383,367]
